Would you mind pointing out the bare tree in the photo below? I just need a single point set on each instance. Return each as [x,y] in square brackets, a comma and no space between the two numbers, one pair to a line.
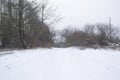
[47,16]
[107,33]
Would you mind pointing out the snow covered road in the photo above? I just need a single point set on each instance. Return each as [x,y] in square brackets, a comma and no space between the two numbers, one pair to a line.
[61,64]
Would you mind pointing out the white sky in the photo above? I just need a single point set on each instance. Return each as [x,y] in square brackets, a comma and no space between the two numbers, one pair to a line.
[81,12]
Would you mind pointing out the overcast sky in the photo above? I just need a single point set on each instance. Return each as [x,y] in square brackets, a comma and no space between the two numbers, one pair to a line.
[81,12]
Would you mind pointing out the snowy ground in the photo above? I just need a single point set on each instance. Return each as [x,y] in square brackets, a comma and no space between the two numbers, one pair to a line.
[60,64]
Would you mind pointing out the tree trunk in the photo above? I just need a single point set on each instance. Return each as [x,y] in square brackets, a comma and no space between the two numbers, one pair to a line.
[21,24]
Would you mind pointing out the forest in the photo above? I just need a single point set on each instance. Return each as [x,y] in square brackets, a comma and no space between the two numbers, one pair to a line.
[25,24]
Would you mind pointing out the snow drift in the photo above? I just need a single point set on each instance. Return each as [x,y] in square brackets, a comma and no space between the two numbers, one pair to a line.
[60,64]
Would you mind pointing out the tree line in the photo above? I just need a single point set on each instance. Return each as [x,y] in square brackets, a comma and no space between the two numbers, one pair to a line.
[92,35]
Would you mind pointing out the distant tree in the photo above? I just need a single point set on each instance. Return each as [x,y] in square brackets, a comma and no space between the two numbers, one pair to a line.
[91,36]
[106,33]
[74,37]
